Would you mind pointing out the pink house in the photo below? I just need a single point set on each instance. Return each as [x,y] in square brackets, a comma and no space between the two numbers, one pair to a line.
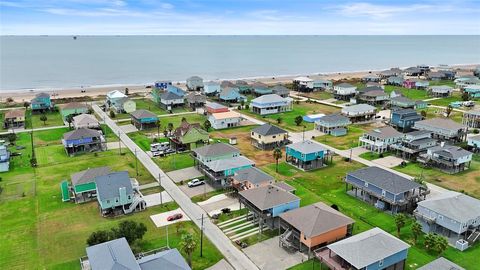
[409,84]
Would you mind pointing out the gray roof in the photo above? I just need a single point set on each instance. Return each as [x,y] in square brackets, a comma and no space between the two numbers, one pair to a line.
[269,98]
[89,175]
[216,149]
[42,95]
[316,219]
[139,114]
[252,175]
[280,90]
[228,163]
[81,133]
[169,259]
[441,264]
[385,180]
[450,151]
[444,123]
[267,197]
[84,119]
[268,129]
[215,105]
[112,255]
[358,108]
[108,185]
[194,97]
[454,205]
[345,85]
[401,99]
[307,147]
[170,96]
[441,88]
[194,78]
[405,111]
[385,133]
[368,247]
[371,88]
[284,186]
[333,118]
[374,93]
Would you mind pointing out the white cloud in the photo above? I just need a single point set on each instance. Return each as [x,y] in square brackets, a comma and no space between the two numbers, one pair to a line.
[166,6]
[384,11]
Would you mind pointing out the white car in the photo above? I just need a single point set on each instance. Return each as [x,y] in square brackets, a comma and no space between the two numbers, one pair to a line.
[196,182]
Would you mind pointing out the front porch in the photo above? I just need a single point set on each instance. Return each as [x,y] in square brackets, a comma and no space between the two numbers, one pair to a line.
[332,260]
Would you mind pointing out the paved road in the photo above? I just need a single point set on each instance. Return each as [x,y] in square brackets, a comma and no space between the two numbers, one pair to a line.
[29,130]
[161,116]
[233,255]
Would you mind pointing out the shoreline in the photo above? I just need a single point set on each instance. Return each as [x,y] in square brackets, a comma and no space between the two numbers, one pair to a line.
[21,95]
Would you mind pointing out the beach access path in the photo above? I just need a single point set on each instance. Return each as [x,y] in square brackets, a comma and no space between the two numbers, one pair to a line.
[231,253]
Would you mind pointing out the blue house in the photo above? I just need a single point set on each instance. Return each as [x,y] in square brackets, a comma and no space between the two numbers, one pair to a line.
[384,189]
[474,142]
[404,119]
[176,90]
[41,102]
[231,94]
[306,155]
[4,159]
[267,203]
[211,88]
[374,249]
[83,140]
[333,124]
[260,89]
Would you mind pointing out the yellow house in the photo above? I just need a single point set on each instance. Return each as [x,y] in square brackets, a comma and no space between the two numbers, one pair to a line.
[268,137]
[14,119]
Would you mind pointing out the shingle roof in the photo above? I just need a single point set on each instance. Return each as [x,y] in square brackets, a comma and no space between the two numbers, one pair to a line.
[358,108]
[384,179]
[215,105]
[42,95]
[108,185]
[89,175]
[170,96]
[194,97]
[368,247]
[401,99]
[81,133]
[194,78]
[333,118]
[185,127]
[280,90]
[139,114]
[345,85]
[316,219]
[450,151]
[228,163]
[15,113]
[385,133]
[84,119]
[112,255]
[441,264]
[269,99]
[306,147]
[284,186]
[444,123]
[216,149]
[267,197]
[441,88]
[454,205]
[406,111]
[374,93]
[169,259]
[253,175]
[268,129]
[370,89]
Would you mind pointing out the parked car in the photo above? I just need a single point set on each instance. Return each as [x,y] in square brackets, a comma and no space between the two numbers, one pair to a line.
[159,146]
[196,182]
[174,217]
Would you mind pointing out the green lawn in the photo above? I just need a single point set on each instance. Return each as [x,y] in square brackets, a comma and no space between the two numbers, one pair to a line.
[174,162]
[348,141]
[445,101]
[176,120]
[288,118]
[321,95]
[143,141]
[327,185]
[414,94]
[373,155]
[53,119]
[436,112]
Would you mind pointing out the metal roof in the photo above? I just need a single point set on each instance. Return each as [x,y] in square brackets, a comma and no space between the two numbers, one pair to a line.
[268,197]
[307,147]
[441,264]
[216,149]
[386,180]
[268,129]
[112,255]
[454,205]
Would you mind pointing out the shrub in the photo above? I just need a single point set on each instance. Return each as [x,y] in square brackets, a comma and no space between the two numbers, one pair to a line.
[475,131]
[112,114]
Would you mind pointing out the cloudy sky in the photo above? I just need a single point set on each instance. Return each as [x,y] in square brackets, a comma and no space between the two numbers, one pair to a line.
[238,17]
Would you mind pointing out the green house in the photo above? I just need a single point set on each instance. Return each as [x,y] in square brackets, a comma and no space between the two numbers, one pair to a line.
[83,186]
[189,136]
[73,109]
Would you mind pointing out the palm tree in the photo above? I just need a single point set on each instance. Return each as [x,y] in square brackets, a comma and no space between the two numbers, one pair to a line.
[188,245]
[69,120]
[170,128]
[416,231]
[440,244]
[277,154]
[207,125]
[400,220]
[279,120]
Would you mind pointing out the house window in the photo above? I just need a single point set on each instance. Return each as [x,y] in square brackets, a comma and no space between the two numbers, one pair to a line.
[440,217]
[129,197]
[380,263]
[384,193]
[108,201]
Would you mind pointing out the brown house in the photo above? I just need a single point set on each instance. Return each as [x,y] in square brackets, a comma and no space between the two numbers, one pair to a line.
[312,226]
[14,118]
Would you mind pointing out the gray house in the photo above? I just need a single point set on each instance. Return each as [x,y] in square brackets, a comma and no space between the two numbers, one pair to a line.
[281,90]
[448,158]
[251,178]
[440,90]
[83,183]
[384,189]
[196,100]
[413,144]
[170,100]
[443,129]
[452,214]
[359,112]
[471,119]
[441,264]
[116,254]
[194,83]
[333,124]
[380,139]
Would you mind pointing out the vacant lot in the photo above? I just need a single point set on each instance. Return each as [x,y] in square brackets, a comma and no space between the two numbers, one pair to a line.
[415,94]
[348,141]
[53,119]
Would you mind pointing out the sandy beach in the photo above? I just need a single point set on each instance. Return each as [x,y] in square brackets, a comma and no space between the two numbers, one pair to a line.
[95,91]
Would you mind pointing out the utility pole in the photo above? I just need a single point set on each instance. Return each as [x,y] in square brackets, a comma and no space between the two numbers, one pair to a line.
[160,184]
[33,148]
[201,239]
[166,227]
[351,150]
[303,134]
[119,143]
[136,161]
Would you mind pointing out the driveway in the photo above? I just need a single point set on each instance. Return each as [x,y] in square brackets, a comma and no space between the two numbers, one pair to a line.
[160,220]
[268,255]
[357,151]
[154,199]
[215,204]
[128,128]
[184,174]
[389,162]
[221,265]
[194,191]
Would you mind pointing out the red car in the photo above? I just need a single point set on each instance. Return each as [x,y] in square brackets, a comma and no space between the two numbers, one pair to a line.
[174,217]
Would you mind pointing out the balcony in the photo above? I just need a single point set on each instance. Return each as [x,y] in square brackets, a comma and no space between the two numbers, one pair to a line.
[332,260]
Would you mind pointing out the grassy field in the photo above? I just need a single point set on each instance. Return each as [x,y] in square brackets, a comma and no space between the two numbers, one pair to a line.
[348,141]
[467,181]
[288,118]
[53,119]
[174,162]
[176,120]
[436,112]
[326,185]
[373,155]
[321,95]
[414,94]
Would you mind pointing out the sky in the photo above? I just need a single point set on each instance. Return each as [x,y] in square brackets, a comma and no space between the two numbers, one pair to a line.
[239,17]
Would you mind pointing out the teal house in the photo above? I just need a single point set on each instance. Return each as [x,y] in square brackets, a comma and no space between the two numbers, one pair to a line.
[473,91]
[41,102]
[306,155]
[231,94]
[260,89]
[83,188]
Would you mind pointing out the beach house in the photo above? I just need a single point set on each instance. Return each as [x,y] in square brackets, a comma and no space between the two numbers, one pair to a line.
[333,124]
[170,100]
[117,254]
[143,119]
[412,71]
[473,143]
[322,85]
[125,105]
[82,185]
[267,203]
[379,140]
[372,95]
[413,144]
[440,90]
[188,136]
[270,104]
[72,109]
[453,215]
[281,90]
[371,78]
[404,119]
[211,88]
[196,101]
[312,226]
[471,119]
[116,194]
[224,119]
[83,140]
[303,84]
[344,91]
[85,121]
[359,112]
[41,102]
[409,83]
[162,85]
[260,89]
[243,86]
[4,158]
[231,95]
[443,129]
[372,249]
[268,137]
[14,119]
[250,178]
[395,80]
[448,158]
[441,264]
[402,102]
[389,73]
[194,83]
[472,90]
[176,90]
[385,190]
[113,99]
[213,107]
[306,155]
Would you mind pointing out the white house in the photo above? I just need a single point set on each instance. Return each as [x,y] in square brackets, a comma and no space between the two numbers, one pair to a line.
[303,82]
[270,104]
[379,140]
[224,119]
[344,91]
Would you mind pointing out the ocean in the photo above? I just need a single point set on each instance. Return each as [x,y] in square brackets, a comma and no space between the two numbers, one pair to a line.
[32,62]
